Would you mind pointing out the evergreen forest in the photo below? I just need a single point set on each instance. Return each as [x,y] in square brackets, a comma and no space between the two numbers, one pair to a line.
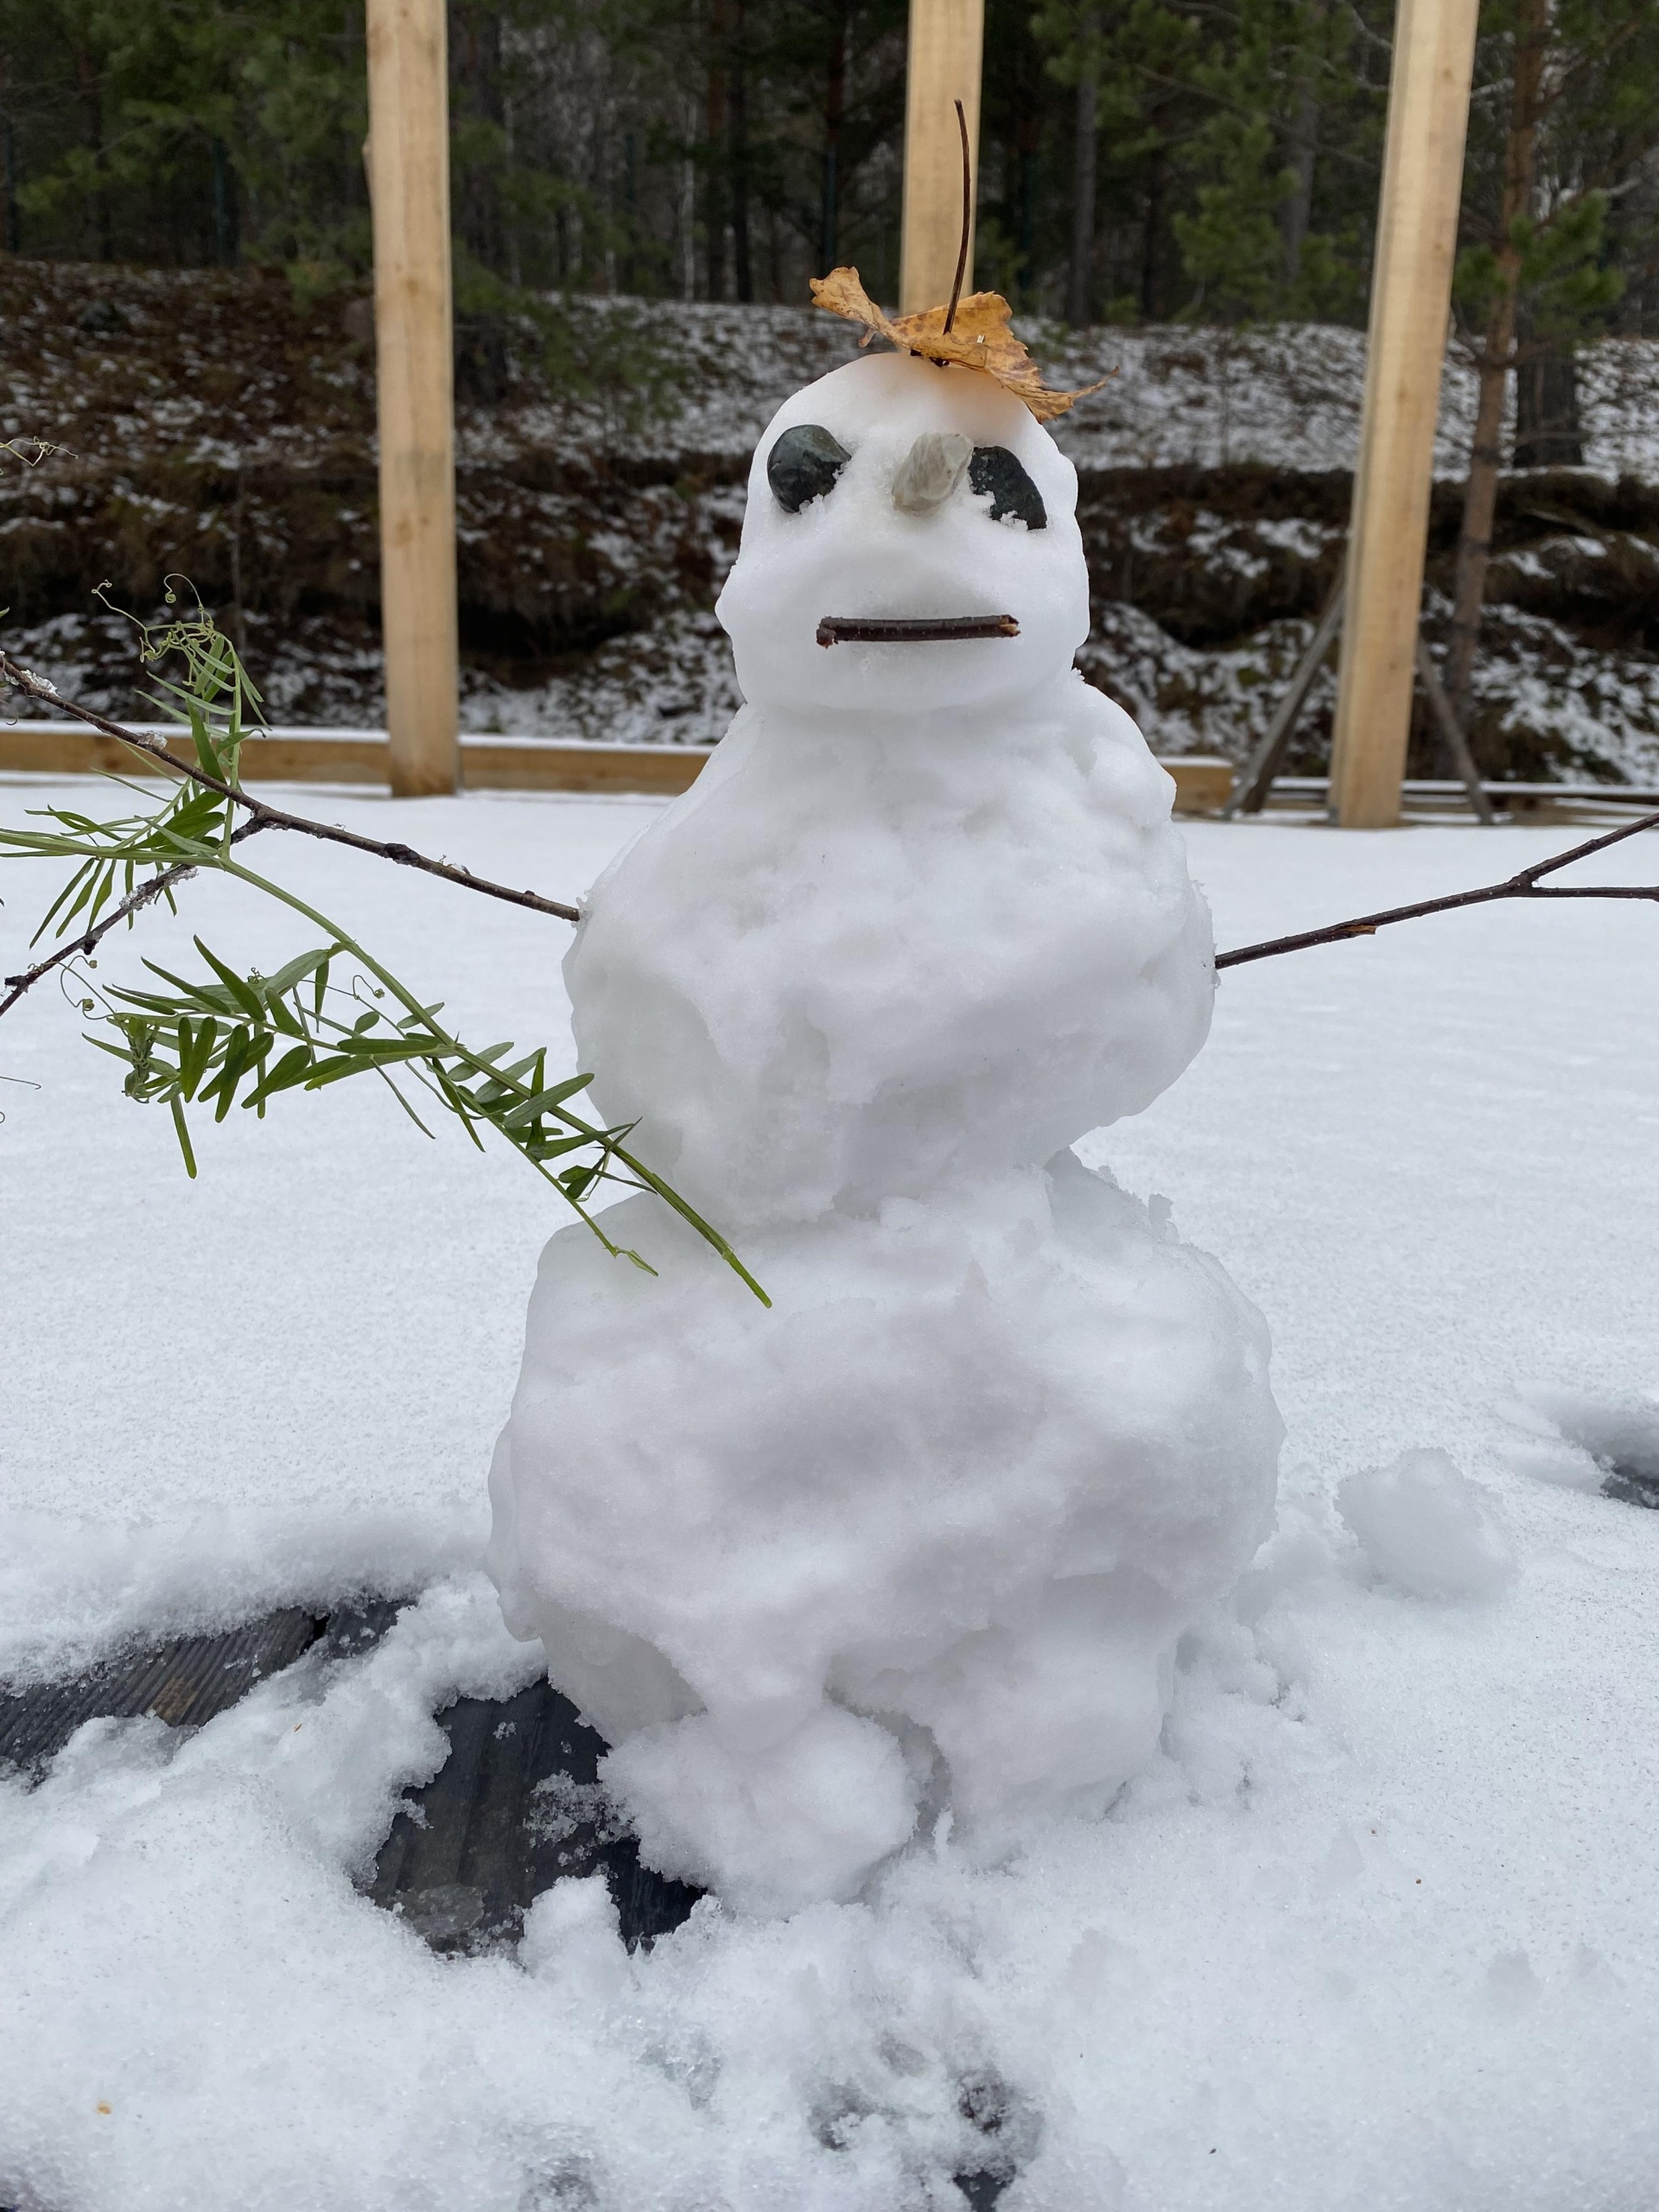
[1142,161]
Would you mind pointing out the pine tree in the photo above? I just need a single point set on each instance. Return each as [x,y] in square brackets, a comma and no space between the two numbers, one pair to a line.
[1535,274]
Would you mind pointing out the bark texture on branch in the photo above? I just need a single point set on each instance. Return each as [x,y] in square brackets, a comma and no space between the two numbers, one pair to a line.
[1526,883]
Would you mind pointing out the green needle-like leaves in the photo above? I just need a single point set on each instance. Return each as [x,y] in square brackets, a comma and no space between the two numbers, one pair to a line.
[225,1039]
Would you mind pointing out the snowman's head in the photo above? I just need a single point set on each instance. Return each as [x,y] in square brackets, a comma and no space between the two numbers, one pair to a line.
[894,495]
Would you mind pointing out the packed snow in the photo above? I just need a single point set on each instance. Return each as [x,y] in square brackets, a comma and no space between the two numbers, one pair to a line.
[921,924]
[1373,1929]
[1429,1528]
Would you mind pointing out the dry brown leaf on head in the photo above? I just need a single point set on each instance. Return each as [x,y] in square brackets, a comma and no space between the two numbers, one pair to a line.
[981,337]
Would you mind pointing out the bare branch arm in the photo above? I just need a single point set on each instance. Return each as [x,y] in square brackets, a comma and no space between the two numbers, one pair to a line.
[1590,845]
[274,817]
[1525,883]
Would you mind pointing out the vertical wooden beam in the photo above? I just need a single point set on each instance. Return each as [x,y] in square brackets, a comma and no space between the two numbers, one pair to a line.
[409,172]
[1411,294]
[946,40]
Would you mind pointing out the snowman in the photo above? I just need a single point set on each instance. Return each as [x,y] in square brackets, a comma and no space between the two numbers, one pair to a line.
[900,1561]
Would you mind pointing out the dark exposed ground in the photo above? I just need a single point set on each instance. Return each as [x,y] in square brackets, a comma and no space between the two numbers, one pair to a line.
[213,427]
[517,1805]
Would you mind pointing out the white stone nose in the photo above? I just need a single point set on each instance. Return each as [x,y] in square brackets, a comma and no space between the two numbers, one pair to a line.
[931,471]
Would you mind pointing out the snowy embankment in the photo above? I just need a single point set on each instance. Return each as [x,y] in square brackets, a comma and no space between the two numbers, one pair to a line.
[1280,395]
[1375,1930]
[210,426]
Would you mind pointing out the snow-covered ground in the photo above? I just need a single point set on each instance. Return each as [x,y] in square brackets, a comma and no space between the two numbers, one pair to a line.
[1375,1932]
[1283,395]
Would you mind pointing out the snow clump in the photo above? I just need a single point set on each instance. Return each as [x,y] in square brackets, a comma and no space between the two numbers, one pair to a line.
[921,1538]
[1428,1530]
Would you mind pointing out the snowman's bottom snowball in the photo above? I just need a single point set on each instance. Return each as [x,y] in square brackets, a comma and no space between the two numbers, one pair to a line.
[962,1488]
[774,1830]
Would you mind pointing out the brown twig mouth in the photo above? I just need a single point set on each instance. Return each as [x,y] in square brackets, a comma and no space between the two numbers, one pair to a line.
[929,630]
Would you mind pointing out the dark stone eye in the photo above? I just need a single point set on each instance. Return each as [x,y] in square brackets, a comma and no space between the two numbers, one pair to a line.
[804,464]
[994,469]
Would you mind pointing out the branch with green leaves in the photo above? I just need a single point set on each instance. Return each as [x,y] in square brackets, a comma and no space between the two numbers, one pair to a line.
[225,1039]
[211,658]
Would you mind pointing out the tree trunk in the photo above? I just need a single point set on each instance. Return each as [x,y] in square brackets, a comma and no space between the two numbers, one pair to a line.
[474,49]
[488,81]
[1302,146]
[1085,151]
[7,162]
[226,229]
[1548,431]
[1496,356]
[510,152]
[1029,158]
[91,93]
[689,207]
[1479,505]
[1297,210]
[742,266]
[1152,248]
[715,114]
[13,244]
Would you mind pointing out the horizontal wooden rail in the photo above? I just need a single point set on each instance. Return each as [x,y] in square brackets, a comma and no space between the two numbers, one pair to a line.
[500,763]
[1431,791]
[363,757]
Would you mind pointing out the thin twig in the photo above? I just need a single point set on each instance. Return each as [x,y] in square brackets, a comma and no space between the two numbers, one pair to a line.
[967,219]
[91,939]
[1523,885]
[274,817]
[930,630]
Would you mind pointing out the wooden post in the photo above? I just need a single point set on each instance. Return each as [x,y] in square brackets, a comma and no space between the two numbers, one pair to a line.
[1411,293]
[409,173]
[946,37]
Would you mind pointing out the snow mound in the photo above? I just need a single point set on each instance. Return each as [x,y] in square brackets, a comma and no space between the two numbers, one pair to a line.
[804,1820]
[921,924]
[1428,1529]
